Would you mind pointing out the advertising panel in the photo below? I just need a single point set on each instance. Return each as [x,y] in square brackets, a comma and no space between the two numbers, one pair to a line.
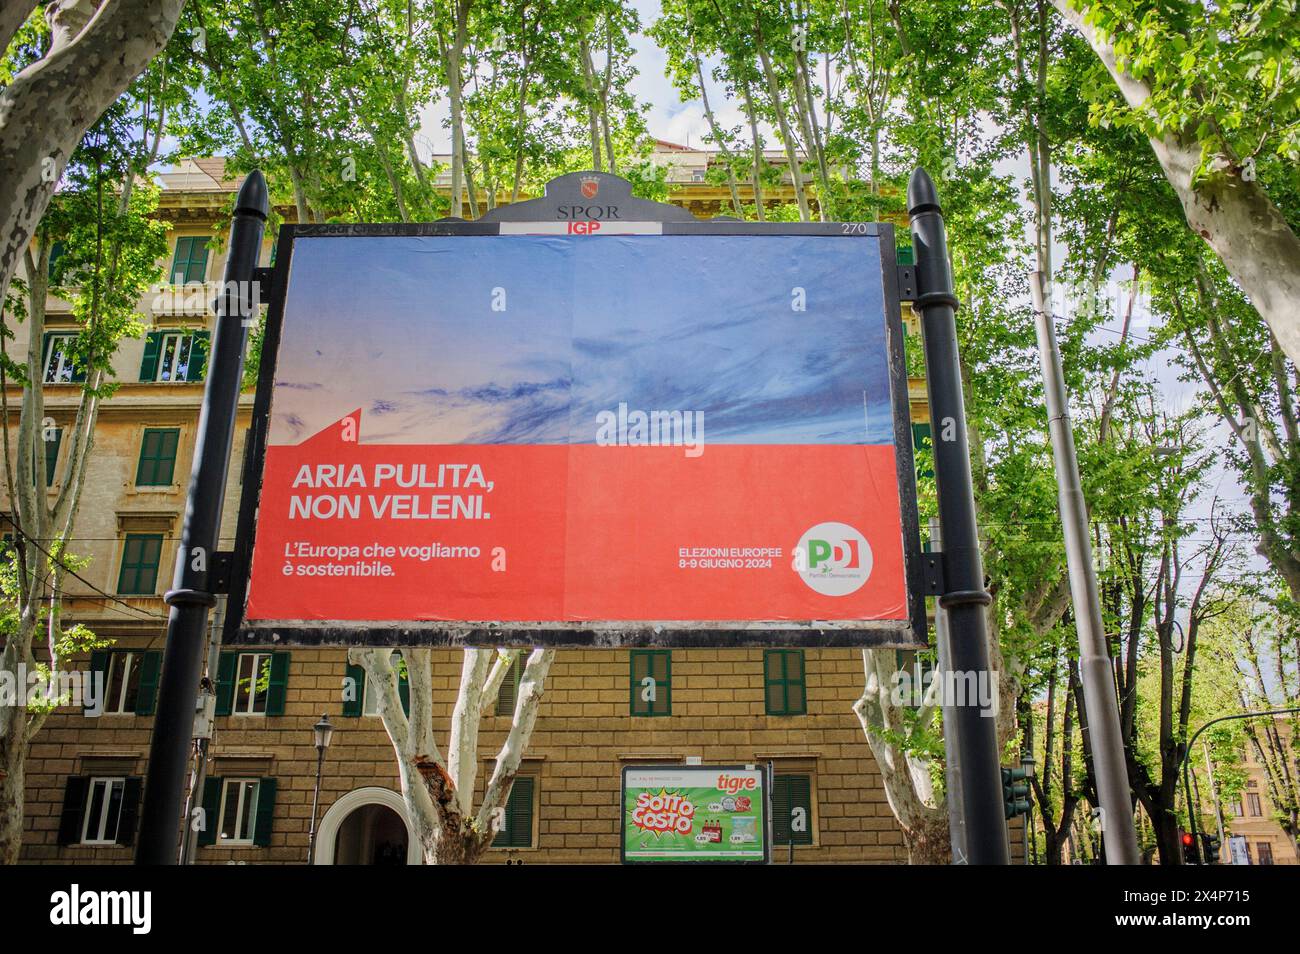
[694,813]
[542,434]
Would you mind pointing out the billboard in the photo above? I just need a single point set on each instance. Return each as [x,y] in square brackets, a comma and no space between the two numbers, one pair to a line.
[666,435]
[695,813]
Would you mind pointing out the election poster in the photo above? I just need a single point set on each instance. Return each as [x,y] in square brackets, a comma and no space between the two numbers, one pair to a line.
[694,814]
[620,431]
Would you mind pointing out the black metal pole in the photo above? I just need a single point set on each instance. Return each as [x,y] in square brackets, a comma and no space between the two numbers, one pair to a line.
[315,805]
[964,596]
[190,596]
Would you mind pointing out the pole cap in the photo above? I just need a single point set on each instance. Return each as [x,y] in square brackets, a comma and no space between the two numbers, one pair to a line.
[921,194]
[253,198]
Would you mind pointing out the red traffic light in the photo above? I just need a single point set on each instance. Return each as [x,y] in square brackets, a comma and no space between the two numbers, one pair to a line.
[1187,839]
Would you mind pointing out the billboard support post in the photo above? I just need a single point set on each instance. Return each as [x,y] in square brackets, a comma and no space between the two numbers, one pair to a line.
[964,596]
[191,595]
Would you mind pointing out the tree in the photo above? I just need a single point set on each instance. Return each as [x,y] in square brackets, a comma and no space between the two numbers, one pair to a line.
[1215,90]
[103,223]
[439,791]
[49,105]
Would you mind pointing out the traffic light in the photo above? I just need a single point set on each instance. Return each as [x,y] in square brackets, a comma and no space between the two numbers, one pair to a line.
[1015,797]
[1210,849]
[1190,855]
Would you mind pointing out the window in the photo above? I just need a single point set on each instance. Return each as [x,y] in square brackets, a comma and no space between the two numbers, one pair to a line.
[1253,806]
[783,682]
[103,811]
[123,682]
[237,811]
[60,367]
[157,466]
[191,261]
[53,439]
[651,682]
[252,683]
[792,810]
[174,356]
[99,810]
[1236,809]
[130,680]
[1265,853]
[517,830]
[140,555]
[509,690]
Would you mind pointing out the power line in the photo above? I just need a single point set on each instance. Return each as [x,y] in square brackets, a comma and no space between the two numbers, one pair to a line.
[73,573]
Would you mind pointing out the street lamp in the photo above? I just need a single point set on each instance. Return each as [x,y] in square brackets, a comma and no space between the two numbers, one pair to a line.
[322,731]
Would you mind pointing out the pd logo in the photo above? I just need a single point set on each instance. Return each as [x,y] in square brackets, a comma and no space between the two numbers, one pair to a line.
[834,559]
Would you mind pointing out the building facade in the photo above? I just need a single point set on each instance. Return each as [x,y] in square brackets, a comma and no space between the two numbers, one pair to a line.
[792,708]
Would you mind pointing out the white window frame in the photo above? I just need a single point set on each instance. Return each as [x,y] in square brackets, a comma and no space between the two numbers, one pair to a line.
[249,791]
[65,361]
[108,783]
[253,694]
[178,337]
[132,662]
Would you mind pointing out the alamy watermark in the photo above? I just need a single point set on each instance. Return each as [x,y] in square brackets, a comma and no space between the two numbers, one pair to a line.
[38,688]
[932,687]
[626,427]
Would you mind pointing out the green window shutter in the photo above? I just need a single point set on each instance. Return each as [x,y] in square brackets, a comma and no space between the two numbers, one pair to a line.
[265,812]
[277,689]
[75,791]
[157,466]
[149,365]
[509,690]
[99,664]
[356,681]
[140,555]
[518,830]
[783,682]
[797,685]
[52,456]
[198,357]
[404,690]
[147,696]
[180,261]
[191,261]
[130,811]
[657,664]
[226,683]
[790,792]
[923,440]
[198,270]
[211,810]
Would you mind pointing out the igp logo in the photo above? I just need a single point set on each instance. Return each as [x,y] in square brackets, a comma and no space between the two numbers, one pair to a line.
[833,558]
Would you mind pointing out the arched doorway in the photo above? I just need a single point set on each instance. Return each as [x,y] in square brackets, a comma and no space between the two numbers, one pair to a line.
[366,826]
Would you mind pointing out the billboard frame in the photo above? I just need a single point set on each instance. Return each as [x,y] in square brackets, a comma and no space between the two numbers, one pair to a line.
[909,633]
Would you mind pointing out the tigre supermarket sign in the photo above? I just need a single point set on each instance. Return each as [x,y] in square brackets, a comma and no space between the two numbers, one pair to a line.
[694,813]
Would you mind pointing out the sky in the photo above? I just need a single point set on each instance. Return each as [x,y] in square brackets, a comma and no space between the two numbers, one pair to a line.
[531,339]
